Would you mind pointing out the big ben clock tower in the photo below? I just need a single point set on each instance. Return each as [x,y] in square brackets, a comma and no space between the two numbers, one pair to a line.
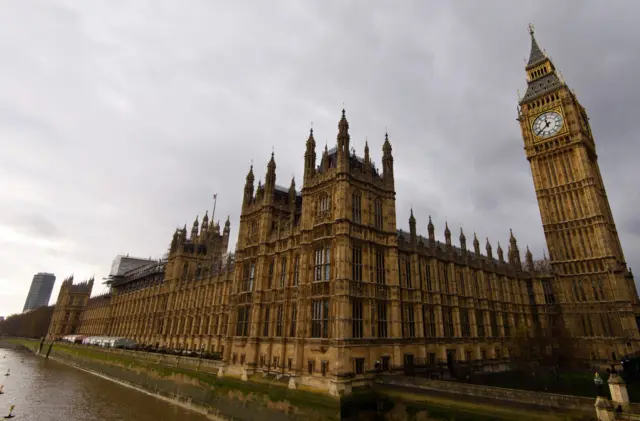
[598,297]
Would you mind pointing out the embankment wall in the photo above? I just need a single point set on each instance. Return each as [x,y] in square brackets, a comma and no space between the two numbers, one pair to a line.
[194,383]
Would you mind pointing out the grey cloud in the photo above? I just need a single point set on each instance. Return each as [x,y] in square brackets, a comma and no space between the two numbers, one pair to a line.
[37,225]
[121,123]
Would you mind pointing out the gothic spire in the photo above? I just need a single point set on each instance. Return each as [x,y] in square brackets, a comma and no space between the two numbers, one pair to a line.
[205,220]
[431,230]
[488,247]
[250,177]
[194,229]
[248,188]
[529,260]
[447,234]
[292,192]
[536,55]
[386,146]
[387,160]
[311,141]
[541,74]
[412,228]
[366,152]
[476,244]
[463,240]
[310,156]
[270,179]
[343,134]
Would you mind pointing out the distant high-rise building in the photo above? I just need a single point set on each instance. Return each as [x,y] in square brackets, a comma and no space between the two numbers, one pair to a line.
[40,291]
[122,264]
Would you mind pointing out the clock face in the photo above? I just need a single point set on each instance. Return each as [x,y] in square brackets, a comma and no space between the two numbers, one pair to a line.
[547,124]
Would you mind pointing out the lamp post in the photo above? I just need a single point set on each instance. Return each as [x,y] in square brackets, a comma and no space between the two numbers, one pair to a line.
[597,380]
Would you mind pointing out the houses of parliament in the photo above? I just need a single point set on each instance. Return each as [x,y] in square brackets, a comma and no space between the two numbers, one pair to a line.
[324,287]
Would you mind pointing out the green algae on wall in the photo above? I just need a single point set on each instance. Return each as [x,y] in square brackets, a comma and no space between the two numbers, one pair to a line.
[242,400]
[265,398]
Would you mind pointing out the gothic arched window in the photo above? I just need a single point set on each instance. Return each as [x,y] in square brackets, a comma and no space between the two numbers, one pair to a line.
[356,207]
[324,204]
[377,213]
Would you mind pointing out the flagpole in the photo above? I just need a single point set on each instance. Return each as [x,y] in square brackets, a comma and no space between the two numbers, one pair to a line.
[215,200]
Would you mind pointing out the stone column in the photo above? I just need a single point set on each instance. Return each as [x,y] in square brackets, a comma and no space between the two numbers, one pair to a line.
[604,409]
[618,389]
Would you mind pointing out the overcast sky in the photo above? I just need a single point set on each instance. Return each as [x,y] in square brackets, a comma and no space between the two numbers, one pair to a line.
[120,119]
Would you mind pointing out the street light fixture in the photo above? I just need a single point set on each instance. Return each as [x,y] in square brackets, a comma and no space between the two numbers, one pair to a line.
[597,380]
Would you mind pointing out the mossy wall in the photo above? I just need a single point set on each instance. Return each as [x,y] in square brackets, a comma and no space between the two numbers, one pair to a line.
[226,397]
[268,399]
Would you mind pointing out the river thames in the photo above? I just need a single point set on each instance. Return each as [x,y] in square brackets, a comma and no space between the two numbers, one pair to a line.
[45,390]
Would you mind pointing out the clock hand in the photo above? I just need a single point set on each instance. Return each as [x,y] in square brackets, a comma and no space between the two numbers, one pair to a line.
[542,129]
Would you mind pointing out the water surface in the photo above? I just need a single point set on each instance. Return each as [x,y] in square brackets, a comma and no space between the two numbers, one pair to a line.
[50,391]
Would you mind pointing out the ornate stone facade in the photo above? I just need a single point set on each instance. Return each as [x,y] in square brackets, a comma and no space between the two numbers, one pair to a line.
[323,285]
[595,289]
[69,308]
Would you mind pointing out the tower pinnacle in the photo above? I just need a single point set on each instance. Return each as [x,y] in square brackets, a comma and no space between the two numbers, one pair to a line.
[536,54]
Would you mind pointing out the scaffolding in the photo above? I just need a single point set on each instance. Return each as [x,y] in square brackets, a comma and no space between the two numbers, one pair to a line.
[138,273]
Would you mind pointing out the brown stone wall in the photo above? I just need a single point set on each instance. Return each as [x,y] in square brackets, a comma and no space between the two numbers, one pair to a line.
[498,393]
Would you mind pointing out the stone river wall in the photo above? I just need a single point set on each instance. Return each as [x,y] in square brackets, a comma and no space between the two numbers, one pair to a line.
[194,383]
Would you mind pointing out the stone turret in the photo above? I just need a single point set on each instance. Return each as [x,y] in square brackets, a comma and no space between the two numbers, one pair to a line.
[432,232]
[514,253]
[194,229]
[488,248]
[270,179]
[310,157]
[248,188]
[204,227]
[463,241]
[174,242]
[412,229]
[476,245]
[343,143]
[500,253]
[292,202]
[447,235]
[387,160]
[529,260]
